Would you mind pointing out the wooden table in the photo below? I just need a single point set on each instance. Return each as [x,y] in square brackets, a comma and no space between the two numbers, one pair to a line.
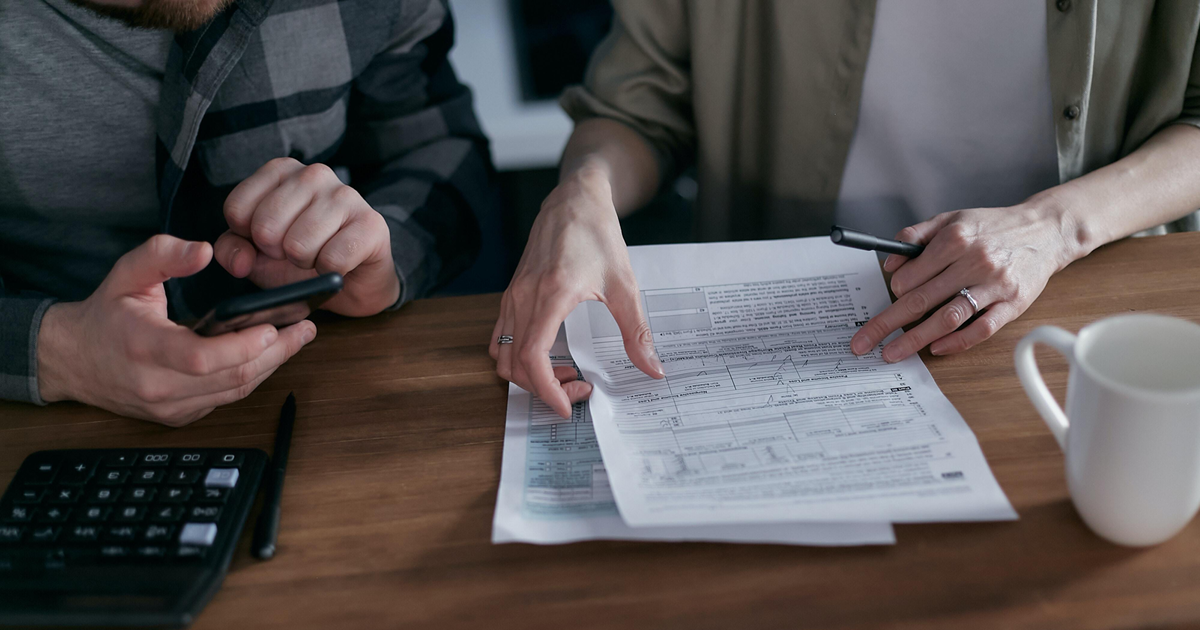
[396,460]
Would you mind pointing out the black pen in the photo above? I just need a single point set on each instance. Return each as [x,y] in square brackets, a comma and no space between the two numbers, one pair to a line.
[266,531]
[862,240]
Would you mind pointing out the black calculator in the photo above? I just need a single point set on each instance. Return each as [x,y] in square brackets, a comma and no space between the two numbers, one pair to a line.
[122,537]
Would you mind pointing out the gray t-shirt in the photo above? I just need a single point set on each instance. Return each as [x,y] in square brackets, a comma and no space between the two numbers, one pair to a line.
[956,113]
[78,96]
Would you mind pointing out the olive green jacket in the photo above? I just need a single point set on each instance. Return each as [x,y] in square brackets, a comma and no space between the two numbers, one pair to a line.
[762,95]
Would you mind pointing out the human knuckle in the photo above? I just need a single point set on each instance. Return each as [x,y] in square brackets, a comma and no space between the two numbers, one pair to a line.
[296,249]
[281,163]
[989,326]
[196,362]
[953,316]
[244,373]
[335,259]
[148,390]
[916,303]
[315,174]
[345,196]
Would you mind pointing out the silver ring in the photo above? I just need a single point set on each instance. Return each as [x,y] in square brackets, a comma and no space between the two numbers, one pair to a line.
[503,339]
[974,305]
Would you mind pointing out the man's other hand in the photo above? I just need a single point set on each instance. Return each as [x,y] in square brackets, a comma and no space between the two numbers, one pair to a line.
[290,222]
[117,350]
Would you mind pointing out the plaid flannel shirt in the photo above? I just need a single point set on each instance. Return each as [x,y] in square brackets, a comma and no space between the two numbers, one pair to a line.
[359,84]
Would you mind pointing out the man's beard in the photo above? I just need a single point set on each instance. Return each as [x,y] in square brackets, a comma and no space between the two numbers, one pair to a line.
[173,15]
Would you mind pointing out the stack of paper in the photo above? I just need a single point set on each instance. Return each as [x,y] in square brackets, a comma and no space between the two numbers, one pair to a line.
[766,429]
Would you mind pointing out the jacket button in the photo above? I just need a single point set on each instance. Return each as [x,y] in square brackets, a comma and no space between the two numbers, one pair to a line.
[1071,113]
[1063,5]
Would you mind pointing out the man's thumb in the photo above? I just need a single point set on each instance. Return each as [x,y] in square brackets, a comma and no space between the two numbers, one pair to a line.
[155,261]
[626,308]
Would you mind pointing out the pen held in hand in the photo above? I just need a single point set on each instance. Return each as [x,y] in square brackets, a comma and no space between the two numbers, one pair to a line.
[862,240]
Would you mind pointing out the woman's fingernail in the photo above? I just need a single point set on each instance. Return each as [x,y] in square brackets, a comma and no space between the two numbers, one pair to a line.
[657,364]
[269,337]
[891,355]
[858,345]
[310,331]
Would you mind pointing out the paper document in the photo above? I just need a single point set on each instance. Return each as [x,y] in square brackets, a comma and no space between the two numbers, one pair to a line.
[765,415]
[553,489]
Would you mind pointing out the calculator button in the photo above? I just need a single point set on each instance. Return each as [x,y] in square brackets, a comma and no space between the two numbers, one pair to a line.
[154,459]
[166,513]
[185,476]
[158,533]
[129,514]
[44,533]
[114,552]
[94,513]
[202,534]
[76,472]
[29,495]
[190,459]
[204,512]
[221,478]
[151,552]
[120,459]
[54,514]
[188,552]
[148,475]
[214,495]
[121,532]
[54,558]
[112,476]
[228,459]
[63,495]
[139,495]
[18,514]
[175,495]
[41,474]
[83,533]
[10,533]
[104,495]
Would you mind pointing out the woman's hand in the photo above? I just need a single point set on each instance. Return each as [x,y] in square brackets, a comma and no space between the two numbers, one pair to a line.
[575,253]
[1002,256]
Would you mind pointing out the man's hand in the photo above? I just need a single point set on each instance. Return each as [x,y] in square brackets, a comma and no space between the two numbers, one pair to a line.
[575,253]
[290,222]
[1003,256]
[117,350]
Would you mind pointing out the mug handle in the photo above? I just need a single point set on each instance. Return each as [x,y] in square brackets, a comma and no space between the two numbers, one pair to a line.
[1031,378]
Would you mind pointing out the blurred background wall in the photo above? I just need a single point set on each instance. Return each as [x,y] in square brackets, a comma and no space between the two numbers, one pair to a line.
[518,56]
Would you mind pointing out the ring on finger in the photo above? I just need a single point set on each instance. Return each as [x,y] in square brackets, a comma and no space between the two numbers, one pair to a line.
[503,339]
[974,305]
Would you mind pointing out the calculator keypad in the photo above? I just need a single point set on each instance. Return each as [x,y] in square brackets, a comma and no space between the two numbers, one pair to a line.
[127,506]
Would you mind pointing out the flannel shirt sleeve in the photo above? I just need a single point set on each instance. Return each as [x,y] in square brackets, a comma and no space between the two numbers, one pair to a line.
[417,154]
[20,320]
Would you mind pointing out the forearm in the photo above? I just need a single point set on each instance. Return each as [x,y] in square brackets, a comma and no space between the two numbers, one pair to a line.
[1155,184]
[615,153]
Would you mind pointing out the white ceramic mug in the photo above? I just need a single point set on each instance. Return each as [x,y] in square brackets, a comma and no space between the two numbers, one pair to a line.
[1131,432]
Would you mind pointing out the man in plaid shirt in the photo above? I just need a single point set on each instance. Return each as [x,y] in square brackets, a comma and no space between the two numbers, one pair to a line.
[230,129]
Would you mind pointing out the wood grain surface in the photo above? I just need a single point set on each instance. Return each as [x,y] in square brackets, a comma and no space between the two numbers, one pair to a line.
[388,504]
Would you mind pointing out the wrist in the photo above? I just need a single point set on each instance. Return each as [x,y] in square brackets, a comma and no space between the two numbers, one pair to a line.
[1058,208]
[56,347]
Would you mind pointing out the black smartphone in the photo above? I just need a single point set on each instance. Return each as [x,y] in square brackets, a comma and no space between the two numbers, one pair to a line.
[281,306]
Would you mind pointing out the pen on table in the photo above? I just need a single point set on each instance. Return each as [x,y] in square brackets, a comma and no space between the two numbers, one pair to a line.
[862,240]
[266,530]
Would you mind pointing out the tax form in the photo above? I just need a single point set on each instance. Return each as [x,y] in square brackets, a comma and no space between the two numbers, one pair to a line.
[765,416]
[553,488]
